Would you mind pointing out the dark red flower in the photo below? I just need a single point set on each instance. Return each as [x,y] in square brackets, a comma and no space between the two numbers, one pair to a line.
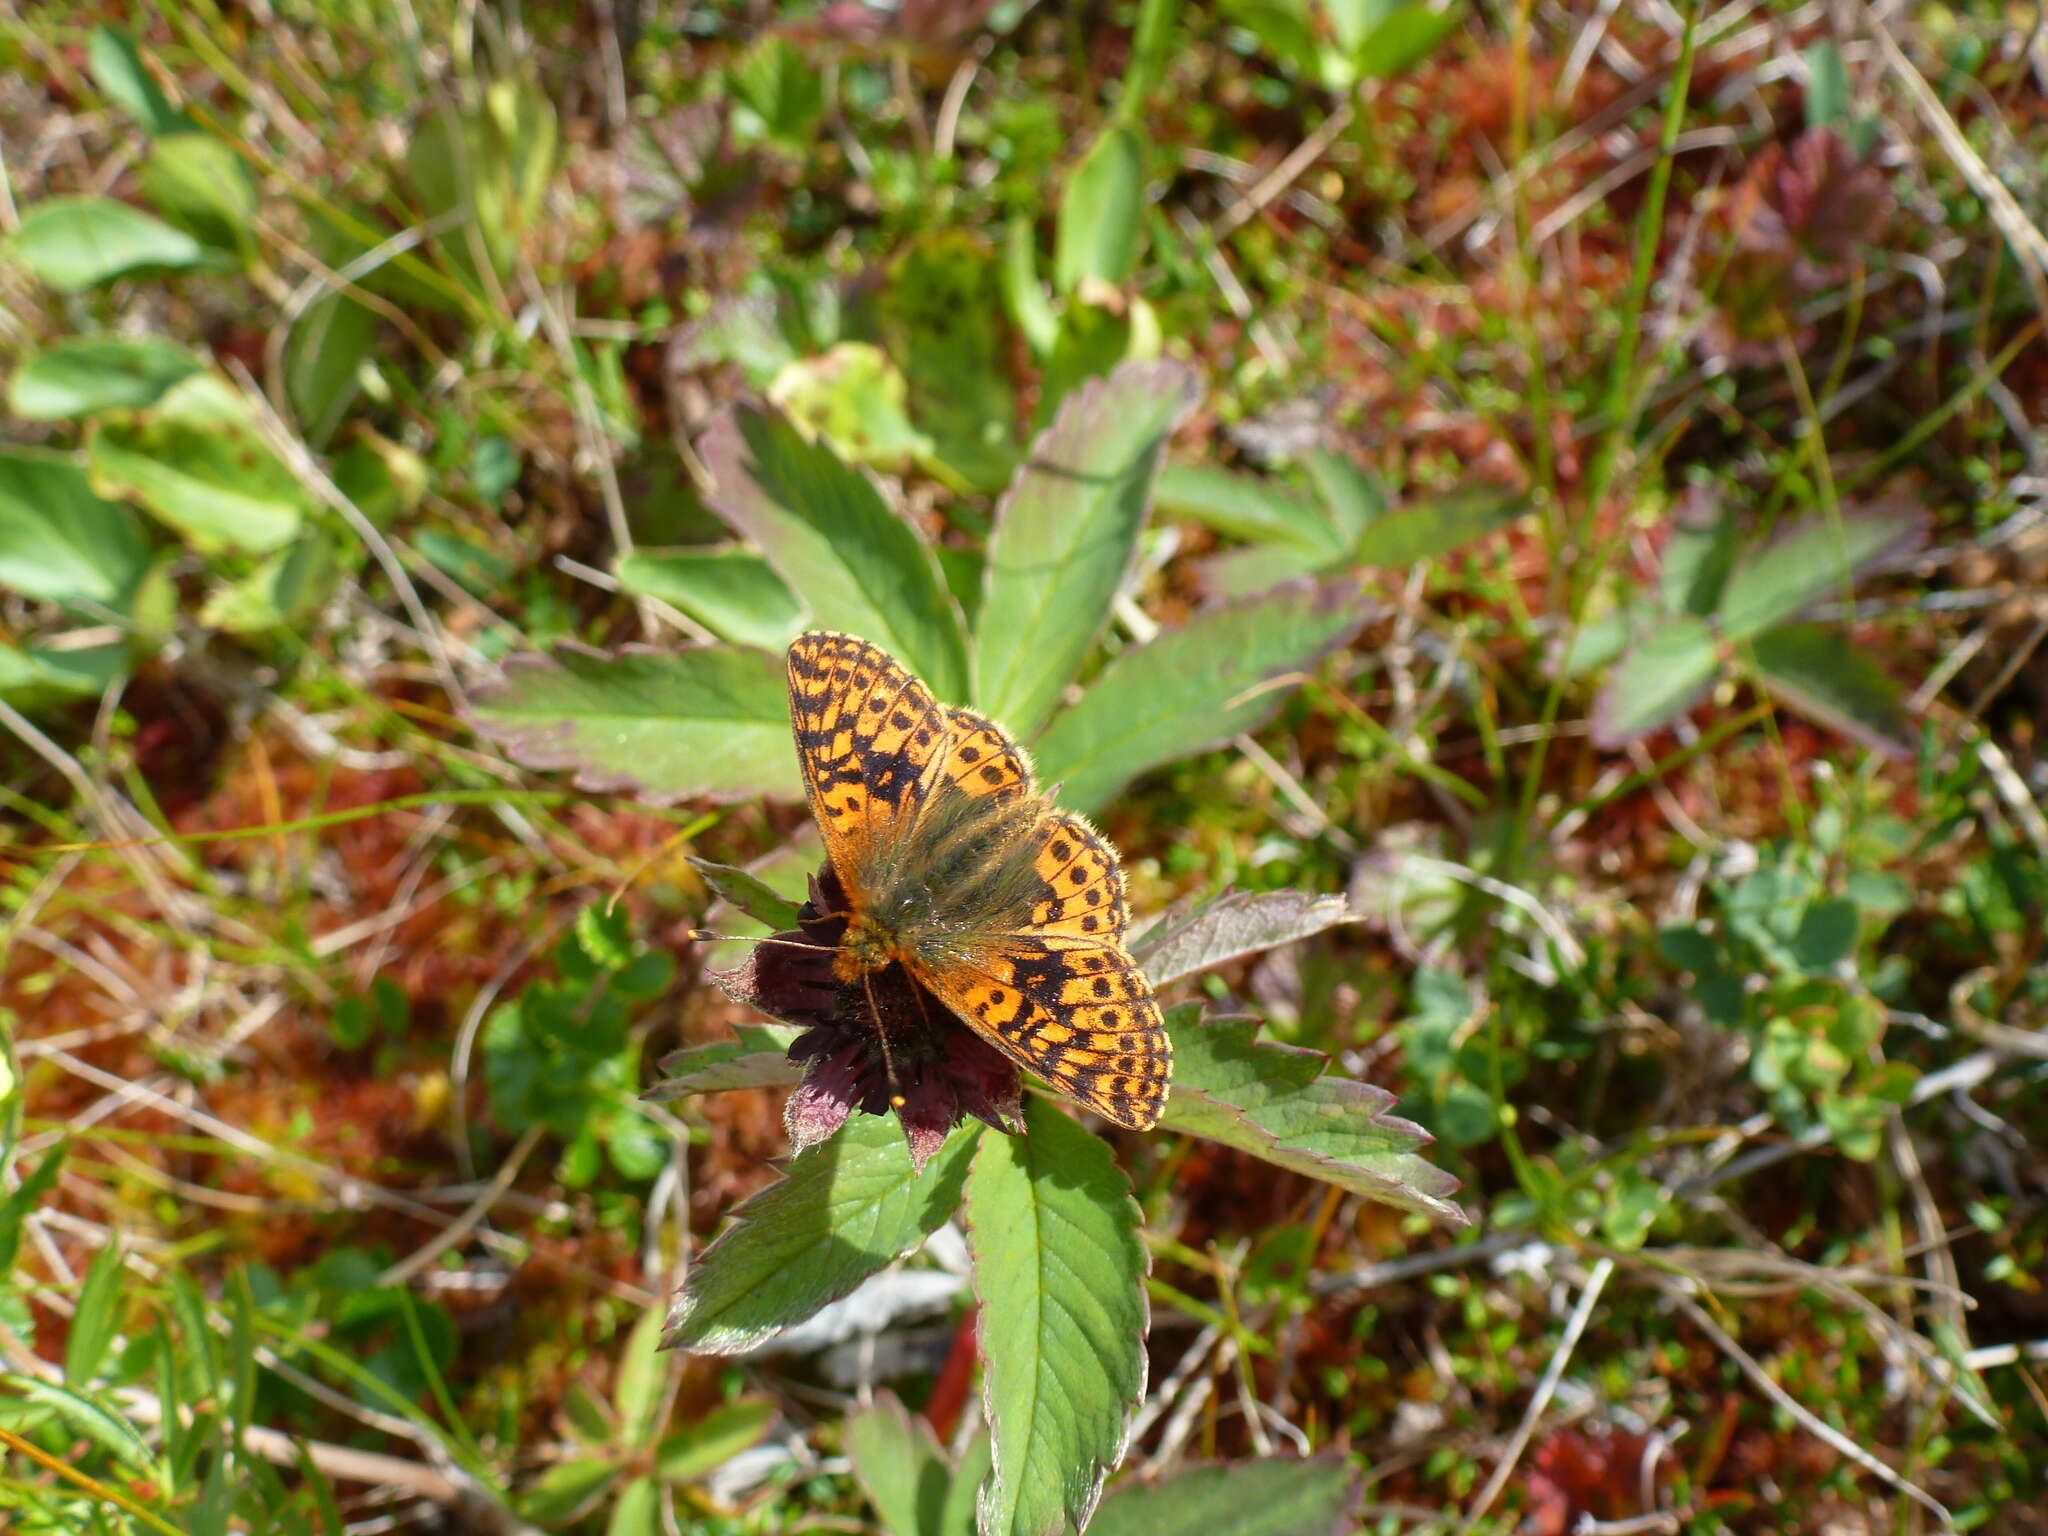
[877,1044]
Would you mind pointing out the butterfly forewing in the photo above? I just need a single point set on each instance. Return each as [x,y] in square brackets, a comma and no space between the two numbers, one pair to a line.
[866,733]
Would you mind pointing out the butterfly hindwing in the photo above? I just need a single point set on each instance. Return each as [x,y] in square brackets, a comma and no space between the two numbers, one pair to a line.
[1081,1016]
[866,732]
[981,759]
[1059,995]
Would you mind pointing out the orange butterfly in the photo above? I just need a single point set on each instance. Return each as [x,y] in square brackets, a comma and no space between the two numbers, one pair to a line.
[1008,911]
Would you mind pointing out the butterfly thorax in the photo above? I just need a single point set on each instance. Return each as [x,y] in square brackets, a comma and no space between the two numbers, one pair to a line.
[865,947]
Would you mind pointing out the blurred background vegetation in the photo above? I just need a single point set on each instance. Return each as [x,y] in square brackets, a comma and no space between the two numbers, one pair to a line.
[1654,395]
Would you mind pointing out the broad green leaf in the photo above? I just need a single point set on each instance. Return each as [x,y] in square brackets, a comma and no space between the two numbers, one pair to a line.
[1059,1272]
[46,676]
[961,1513]
[777,83]
[323,362]
[1234,925]
[714,1439]
[1285,29]
[1065,535]
[1270,1497]
[201,185]
[751,894]
[1407,36]
[197,461]
[284,591]
[1825,675]
[711,721]
[1352,499]
[1277,1103]
[1102,212]
[73,243]
[90,1417]
[1190,689]
[732,592]
[1697,557]
[638,1512]
[842,1210]
[1827,85]
[61,543]
[941,319]
[97,1318]
[642,1380]
[1023,296]
[1091,340]
[1256,569]
[855,398]
[849,559]
[900,1467]
[1436,525]
[480,172]
[567,1490]
[1248,508]
[97,373]
[1817,557]
[118,70]
[1658,679]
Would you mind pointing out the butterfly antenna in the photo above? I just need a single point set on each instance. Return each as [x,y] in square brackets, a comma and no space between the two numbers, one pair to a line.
[707,936]
[882,1029]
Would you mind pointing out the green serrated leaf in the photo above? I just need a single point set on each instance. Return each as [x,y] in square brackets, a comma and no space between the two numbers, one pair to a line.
[197,461]
[749,893]
[1101,219]
[1248,508]
[1066,532]
[1059,1272]
[74,243]
[899,1465]
[732,592]
[1823,674]
[777,82]
[1436,525]
[1190,689]
[710,721]
[1662,676]
[1271,1497]
[89,374]
[843,1210]
[849,559]
[1276,1102]
[721,1065]
[1234,925]
[1065,535]
[714,1439]
[1817,557]
[61,543]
